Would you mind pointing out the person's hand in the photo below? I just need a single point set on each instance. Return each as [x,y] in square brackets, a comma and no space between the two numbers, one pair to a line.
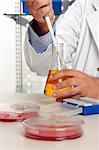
[38,9]
[82,85]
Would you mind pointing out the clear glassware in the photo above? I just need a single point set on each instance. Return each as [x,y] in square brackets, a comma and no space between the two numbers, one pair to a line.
[57,64]
[55,128]
[18,111]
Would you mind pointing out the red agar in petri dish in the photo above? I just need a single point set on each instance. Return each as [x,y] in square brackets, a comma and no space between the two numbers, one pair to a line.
[18,112]
[53,130]
[7,117]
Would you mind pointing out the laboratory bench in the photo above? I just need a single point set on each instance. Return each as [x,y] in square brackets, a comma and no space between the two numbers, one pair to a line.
[12,133]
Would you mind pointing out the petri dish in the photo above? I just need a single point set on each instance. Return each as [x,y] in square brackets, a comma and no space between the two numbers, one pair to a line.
[53,128]
[17,112]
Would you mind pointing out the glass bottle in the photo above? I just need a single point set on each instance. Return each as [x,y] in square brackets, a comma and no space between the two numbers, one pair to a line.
[57,64]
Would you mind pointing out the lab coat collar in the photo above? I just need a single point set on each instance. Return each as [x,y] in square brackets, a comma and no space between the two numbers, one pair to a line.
[93,21]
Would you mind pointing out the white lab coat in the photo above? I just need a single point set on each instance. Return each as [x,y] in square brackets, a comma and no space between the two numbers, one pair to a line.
[78,29]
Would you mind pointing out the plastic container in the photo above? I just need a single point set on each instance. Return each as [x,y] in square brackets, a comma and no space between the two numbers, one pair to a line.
[53,128]
[17,112]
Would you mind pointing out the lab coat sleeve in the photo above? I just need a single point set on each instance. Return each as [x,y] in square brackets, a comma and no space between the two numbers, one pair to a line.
[37,62]
[41,43]
[67,31]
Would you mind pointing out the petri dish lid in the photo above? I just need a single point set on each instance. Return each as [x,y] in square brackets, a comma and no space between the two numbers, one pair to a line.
[24,107]
[18,111]
[56,121]
[53,127]
[61,109]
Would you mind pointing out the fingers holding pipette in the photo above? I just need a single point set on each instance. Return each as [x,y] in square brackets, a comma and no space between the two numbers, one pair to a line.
[39,8]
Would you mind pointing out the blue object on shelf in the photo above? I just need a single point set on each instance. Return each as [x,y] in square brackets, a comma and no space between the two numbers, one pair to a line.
[86,109]
[25,9]
[57,6]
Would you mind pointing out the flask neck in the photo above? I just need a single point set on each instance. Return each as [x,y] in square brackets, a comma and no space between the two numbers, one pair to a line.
[57,61]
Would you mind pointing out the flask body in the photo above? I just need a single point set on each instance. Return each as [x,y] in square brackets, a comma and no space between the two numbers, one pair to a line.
[57,64]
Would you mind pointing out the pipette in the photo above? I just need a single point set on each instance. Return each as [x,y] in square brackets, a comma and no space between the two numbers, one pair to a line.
[48,22]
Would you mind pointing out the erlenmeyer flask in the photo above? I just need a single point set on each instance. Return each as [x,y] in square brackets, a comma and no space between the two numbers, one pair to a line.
[57,63]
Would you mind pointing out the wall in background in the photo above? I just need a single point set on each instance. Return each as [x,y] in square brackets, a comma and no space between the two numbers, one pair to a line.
[7,48]
[31,82]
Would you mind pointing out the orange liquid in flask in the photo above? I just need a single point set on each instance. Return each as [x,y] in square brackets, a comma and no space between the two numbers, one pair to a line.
[48,91]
